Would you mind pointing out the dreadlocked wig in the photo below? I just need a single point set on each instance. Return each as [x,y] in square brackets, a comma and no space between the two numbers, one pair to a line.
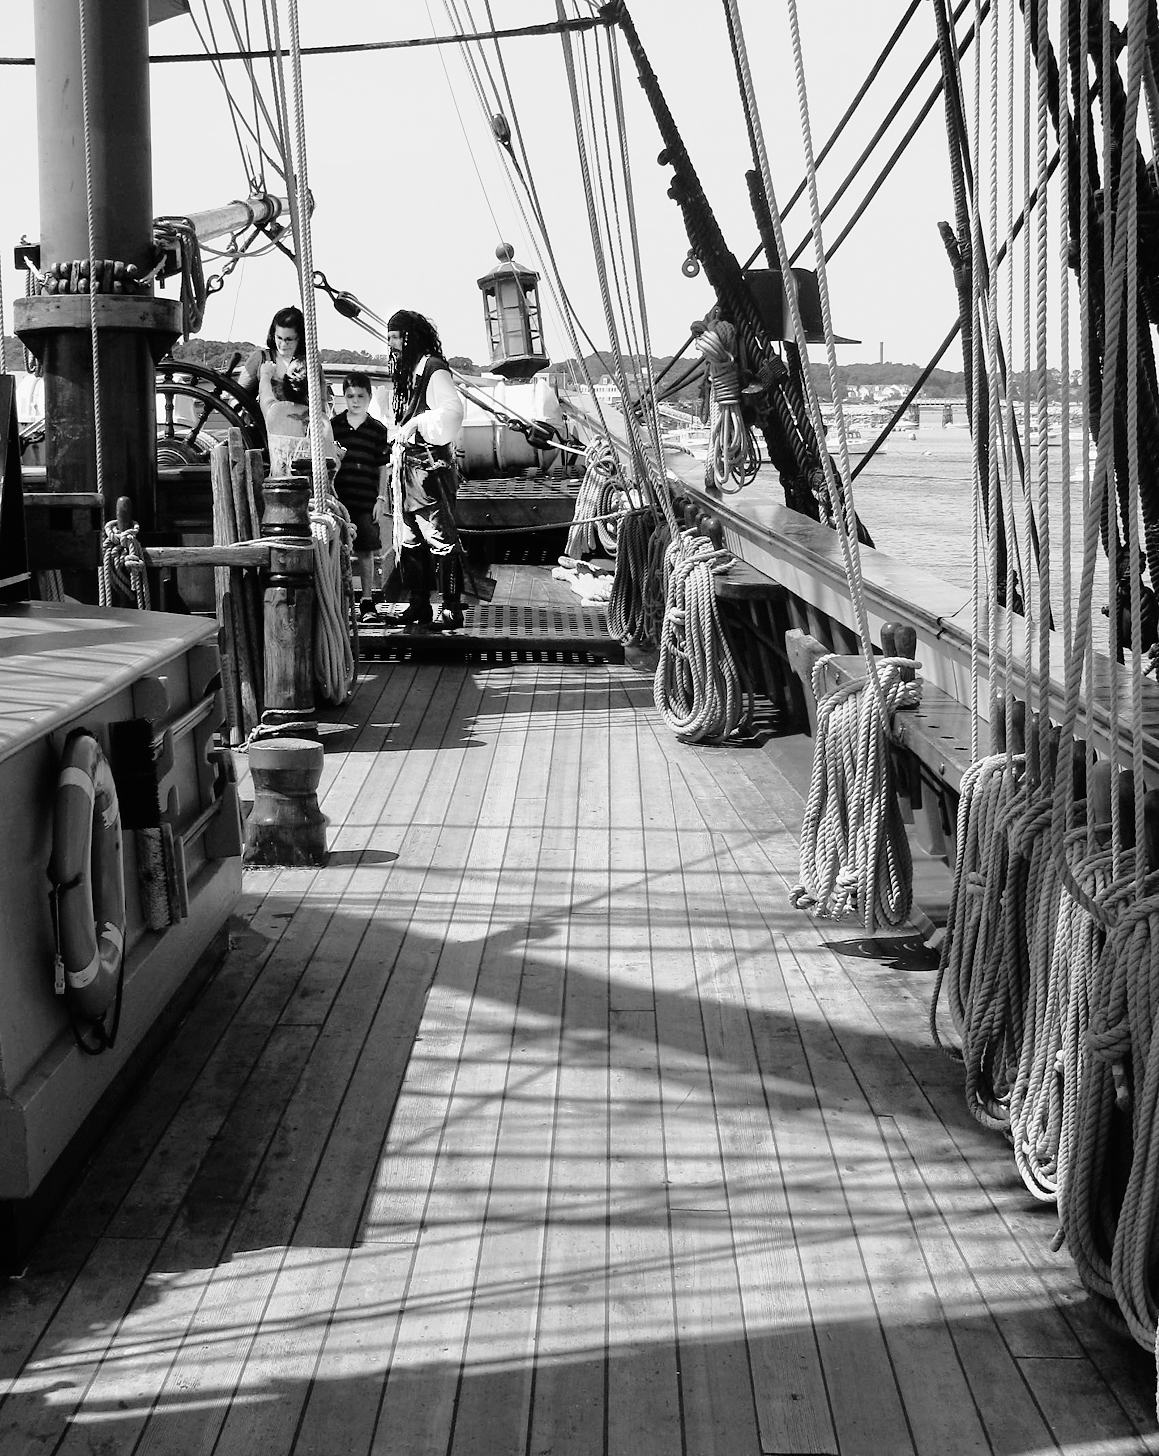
[419,338]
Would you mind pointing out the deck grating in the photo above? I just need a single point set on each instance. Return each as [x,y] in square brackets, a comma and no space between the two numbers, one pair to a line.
[537,1122]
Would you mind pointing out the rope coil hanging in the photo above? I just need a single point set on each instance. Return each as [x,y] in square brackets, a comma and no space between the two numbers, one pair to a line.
[697,688]
[734,458]
[594,499]
[628,617]
[855,857]
[333,594]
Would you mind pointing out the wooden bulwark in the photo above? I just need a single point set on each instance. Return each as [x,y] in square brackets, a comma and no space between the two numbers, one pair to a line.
[537,1121]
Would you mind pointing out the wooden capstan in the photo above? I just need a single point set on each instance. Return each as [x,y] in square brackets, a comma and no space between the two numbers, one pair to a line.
[511,309]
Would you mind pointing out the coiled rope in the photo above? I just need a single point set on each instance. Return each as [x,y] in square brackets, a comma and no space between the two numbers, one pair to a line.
[1113,1129]
[122,572]
[333,592]
[179,234]
[592,500]
[855,857]
[733,455]
[1052,1068]
[627,611]
[697,688]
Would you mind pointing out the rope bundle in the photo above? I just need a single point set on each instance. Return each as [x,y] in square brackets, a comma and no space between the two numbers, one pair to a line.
[971,958]
[733,453]
[1054,1051]
[594,499]
[626,609]
[333,655]
[178,235]
[697,688]
[122,569]
[855,857]
[1109,1221]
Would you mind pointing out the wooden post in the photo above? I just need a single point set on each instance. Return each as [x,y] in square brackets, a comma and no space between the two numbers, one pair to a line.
[289,607]
[285,826]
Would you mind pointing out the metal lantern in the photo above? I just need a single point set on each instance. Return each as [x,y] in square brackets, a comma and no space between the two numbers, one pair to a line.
[511,308]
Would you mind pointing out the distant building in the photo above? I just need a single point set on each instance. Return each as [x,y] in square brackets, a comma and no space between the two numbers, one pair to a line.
[607,391]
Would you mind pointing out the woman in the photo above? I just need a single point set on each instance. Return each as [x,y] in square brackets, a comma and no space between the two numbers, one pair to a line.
[279,374]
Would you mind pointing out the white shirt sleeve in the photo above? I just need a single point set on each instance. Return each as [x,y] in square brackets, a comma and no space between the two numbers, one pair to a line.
[439,423]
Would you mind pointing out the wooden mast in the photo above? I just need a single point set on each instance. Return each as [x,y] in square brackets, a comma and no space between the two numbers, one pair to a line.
[135,329]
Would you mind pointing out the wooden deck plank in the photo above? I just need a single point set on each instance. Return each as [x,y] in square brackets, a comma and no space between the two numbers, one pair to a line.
[494,1398]
[691,1180]
[57,1376]
[568,1403]
[366,721]
[280,1196]
[788,1381]
[417,1411]
[928,1092]
[1008,1411]
[1031,1322]
[404,1171]
[346,1386]
[939,1405]
[643,1368]
[344,1354]
[716,1384]
[980,1194]
[865,1405]
[303,1284]
[1083,1415]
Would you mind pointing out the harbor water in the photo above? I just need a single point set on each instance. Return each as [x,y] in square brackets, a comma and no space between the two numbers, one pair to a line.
[916,499]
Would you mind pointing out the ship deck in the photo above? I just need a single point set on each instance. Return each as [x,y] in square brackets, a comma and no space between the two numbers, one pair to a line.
[537,1121]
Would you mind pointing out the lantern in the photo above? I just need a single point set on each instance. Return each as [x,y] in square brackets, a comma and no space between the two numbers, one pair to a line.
[511,308]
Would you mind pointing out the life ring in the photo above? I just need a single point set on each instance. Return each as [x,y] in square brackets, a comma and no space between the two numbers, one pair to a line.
[89,877]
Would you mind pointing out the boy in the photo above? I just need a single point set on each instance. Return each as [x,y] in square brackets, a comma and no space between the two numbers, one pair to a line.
[363,468]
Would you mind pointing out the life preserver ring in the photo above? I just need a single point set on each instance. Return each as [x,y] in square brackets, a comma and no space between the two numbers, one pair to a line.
[89,877]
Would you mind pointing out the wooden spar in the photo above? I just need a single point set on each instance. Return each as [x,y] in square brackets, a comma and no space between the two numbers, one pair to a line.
[134,329]
[256,212]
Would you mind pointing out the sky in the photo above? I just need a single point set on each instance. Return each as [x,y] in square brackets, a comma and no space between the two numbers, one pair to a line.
[411,197]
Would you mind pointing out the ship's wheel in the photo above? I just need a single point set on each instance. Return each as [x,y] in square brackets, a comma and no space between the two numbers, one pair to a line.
[196,407]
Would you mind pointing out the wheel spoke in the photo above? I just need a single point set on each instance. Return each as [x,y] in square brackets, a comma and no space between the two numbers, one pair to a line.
[206,410]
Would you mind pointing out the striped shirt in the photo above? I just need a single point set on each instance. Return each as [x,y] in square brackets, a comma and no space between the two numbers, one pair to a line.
[367,450]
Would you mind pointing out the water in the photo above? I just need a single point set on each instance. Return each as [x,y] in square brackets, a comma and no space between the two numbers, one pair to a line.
[917,502]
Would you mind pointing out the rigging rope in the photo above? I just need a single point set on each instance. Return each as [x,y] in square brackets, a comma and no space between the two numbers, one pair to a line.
[329,522]
[90,216]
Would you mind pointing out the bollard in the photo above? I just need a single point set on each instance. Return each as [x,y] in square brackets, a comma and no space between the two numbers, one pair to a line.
[285,826]
[898,639]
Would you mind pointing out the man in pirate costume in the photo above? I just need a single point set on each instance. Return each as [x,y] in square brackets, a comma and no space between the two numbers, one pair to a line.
[428,412]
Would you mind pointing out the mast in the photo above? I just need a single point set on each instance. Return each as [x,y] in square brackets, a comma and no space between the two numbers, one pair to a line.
[135,329]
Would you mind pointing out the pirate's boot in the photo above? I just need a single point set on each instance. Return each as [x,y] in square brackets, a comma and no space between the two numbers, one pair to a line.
[417,612]
[450,613]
